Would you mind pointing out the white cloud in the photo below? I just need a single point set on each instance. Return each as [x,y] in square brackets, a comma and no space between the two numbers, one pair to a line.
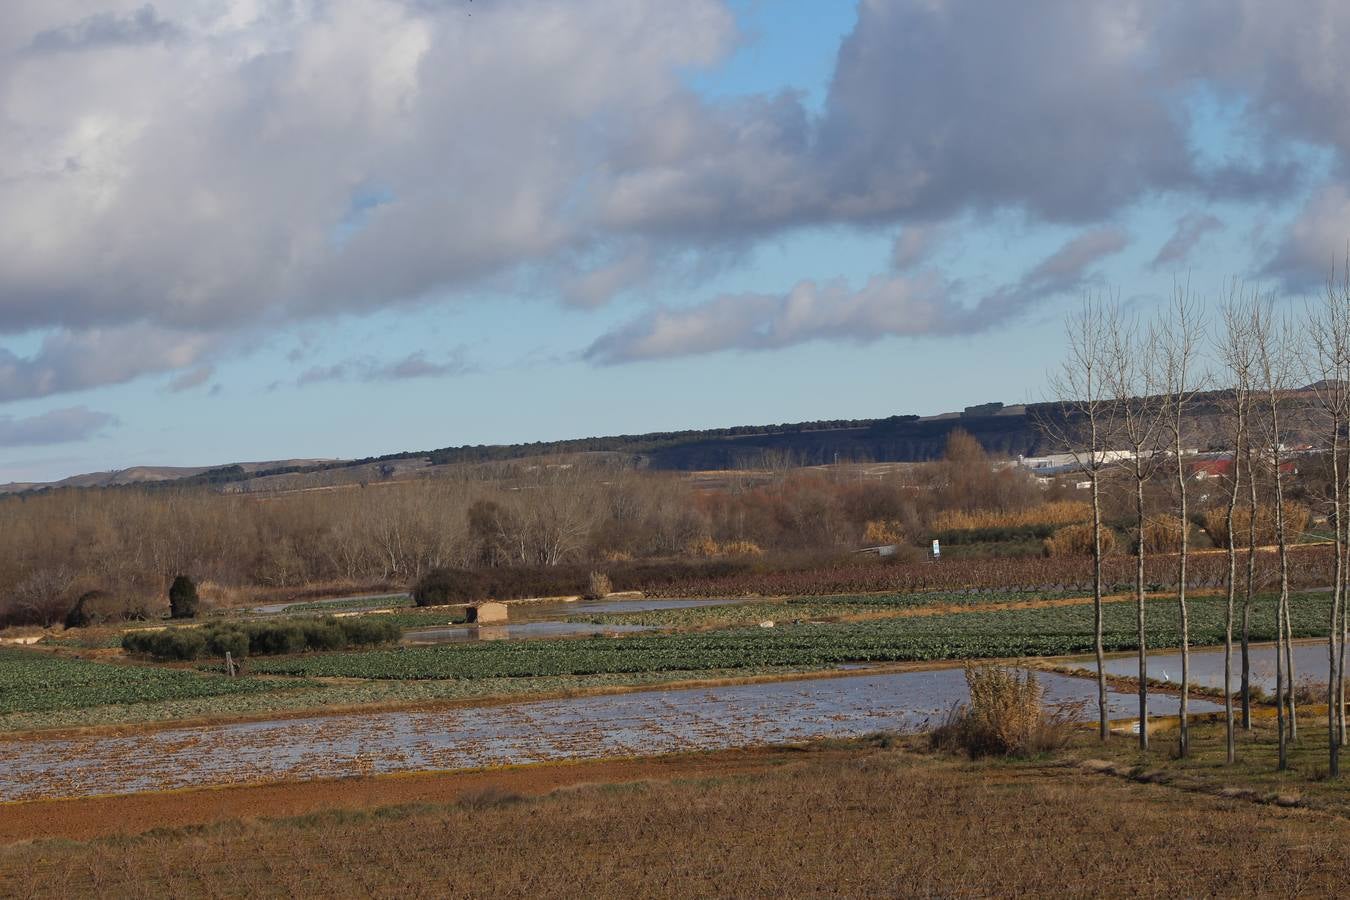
[76,360]
[889,305]
[202,169]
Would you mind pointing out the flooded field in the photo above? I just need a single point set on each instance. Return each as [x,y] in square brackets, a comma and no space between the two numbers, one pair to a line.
[1310,663]
[548,620]
[644,723]
[536,611]
[460,634]
[363,602]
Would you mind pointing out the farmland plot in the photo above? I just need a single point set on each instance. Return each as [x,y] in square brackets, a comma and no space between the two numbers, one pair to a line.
[1050,631]
[33,681]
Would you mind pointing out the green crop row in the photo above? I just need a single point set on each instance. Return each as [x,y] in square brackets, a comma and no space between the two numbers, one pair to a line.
[387,601]
[806,608]
[996,633]
[32,681]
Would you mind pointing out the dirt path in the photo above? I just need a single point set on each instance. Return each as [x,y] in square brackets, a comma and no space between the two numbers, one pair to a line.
[82,819]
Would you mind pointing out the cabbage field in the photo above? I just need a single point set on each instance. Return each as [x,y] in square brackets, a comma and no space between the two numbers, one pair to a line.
[32,681]
[996,633]
[811,608]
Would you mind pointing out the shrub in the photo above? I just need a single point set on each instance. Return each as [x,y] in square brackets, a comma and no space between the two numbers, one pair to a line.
[1076,540]
[222,639]
[183,598]
[883,531]
[98,607]
[1006,716]
[741,548]
[42,598]
[1162,534]
[702,547]
[241,639]
[366,631]
[443,586]
[599,588]
[1216,523]
[271,639]
[166,643]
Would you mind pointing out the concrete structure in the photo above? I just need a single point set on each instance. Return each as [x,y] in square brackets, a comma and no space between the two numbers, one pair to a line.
[488,613]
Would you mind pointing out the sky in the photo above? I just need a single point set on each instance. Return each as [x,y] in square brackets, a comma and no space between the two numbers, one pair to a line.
[265,229]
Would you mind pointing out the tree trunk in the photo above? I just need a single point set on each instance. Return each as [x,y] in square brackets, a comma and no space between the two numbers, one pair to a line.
[1103,724]
[1229,737]
[1289,665]
[1247,596]
[1184,728]
[1279,687]
[1139,605]
[1333,676]
[1284,689]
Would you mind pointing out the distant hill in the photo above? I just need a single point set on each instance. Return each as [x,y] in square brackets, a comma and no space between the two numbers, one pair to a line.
[1002,430]
[154,474]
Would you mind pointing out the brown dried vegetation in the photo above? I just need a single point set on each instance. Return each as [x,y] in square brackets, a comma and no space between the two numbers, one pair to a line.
[872,823]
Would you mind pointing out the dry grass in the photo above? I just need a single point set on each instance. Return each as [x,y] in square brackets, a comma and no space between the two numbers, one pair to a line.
[1162,534]
[1076,540]
[1254,775]
[1216,523]
[1063,512]
[1006,716]
[878,822]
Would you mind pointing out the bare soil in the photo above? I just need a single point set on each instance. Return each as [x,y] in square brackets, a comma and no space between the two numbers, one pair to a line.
[865,821]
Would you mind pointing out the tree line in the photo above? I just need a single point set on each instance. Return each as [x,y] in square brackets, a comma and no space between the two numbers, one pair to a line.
[1124,398]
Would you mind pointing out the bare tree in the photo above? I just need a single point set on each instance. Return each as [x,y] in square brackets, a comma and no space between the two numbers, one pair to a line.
[1330,377]
[1081,424]
[1235,350]
[1249,592]
[1138,413]
[1270,341]
[1180,349]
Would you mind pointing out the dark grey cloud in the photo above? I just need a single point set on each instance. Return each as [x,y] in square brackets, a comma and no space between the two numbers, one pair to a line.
[1189,229]
[141,26]
[919,305]
[59,426]
[369,369]
[1317,244]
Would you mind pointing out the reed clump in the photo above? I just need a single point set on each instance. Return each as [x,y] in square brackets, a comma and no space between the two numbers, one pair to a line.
[1006,716]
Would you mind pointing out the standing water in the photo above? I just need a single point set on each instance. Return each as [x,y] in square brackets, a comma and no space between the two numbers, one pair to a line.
[641,723]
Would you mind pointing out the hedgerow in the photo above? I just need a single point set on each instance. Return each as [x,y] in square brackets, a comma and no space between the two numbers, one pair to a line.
[241,639]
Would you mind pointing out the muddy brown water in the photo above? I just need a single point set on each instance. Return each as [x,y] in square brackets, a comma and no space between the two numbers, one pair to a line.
[622,725]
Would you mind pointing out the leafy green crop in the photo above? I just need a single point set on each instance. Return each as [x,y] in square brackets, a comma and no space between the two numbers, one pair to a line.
[996,633]
[32,681]
[807,608]
[386,601]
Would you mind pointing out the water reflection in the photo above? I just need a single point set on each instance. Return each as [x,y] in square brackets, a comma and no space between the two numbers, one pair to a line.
[640,723]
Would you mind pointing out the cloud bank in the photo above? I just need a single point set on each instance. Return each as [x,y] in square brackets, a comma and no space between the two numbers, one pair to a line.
[899,304]
[189,171]
[59,426]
